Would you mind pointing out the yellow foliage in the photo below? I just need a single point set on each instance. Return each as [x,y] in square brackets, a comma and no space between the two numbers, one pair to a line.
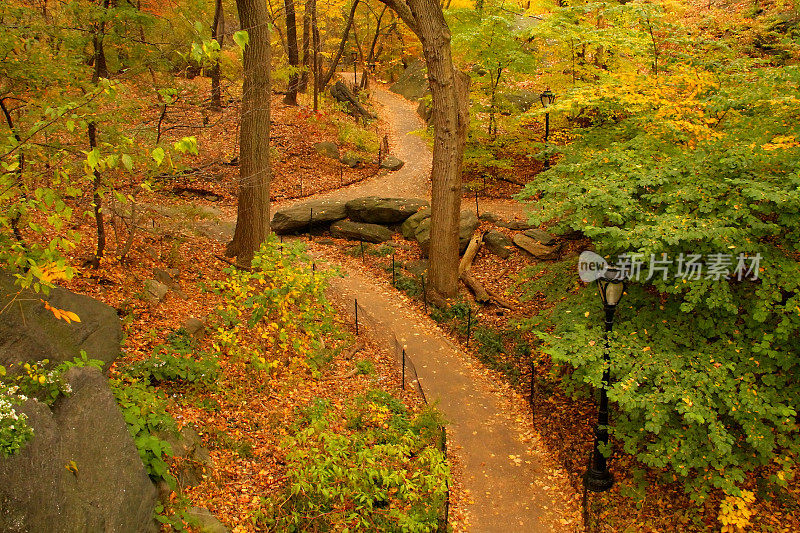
[735,512]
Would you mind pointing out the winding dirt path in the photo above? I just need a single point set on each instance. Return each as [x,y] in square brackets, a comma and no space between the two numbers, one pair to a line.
[508,483]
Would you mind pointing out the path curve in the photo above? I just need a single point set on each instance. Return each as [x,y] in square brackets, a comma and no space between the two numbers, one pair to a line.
[509,483]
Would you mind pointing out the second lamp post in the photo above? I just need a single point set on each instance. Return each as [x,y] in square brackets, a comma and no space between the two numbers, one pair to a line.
[597,477]
[547,98]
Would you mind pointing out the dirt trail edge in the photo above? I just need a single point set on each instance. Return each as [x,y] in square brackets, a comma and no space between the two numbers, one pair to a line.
[508,482]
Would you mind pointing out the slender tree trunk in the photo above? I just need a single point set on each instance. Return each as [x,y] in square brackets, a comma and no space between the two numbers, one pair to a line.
[20,170]
[316,45]
[218,34]
[100,71]
[326,79]
[294,60]
[252,216]
[306,45]
[371,56]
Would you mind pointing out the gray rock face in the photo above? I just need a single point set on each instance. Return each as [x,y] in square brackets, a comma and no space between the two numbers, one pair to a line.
[540,236]
[327,148]
[413,83]
[537,250]
[29,332]
[514,225]
[299,217]
[383,210]
[467,225]
[520,100]
[195,327]
[498,244]
[390,162]
[195,459]
[110,491]
[489,217]
[409,227]
[155,291]
[360,231]
[352,160]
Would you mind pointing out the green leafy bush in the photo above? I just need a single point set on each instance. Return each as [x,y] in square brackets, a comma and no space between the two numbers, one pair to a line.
[145,413]
[178,361]
[704,161]
[386,475]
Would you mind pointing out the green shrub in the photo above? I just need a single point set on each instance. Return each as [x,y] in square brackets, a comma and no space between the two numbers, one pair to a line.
[387,475]
[410,286]
[144,411]
[363,139]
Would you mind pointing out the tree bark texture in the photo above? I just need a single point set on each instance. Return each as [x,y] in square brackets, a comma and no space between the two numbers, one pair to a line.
[306,45]
[450,117]
[218,34]
[252,216]
[292,52]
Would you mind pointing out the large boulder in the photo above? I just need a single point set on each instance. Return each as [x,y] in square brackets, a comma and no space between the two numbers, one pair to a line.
[29,332]
[468,223]
[409,227]
[540,236]
[498,244]
[391,163]
[536,249]
[413,83]
[299,217]
[360,231]
[327,148]
[106,487]
[519,101]
[377,210]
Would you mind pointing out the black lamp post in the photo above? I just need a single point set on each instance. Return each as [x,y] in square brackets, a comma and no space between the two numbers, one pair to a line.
[597,477]
[547,98]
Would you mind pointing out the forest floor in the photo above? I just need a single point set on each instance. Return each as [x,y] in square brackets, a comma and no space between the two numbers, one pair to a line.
[184,225]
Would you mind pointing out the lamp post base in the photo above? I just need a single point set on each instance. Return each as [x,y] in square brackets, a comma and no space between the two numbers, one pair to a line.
[598,480]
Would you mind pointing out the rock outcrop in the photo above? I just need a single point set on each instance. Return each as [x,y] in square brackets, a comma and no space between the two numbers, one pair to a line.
[29,332]
[81,471]
[377,210]
[360,231]
[300,217]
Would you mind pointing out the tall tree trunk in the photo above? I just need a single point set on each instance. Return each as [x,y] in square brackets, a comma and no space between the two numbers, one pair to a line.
[450,117]
[316,45]
[326,79]
[306,43]
[218,34]
[252,214]
[100,71]
[294,60]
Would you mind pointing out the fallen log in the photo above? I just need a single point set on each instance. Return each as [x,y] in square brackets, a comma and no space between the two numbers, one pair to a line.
[469,255]
[342,94]
[481,296]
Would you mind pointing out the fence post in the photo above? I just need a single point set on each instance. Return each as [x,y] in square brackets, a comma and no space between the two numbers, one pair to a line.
[533,386]
[424,294]
[393,275]
[356,304]
[477,213]
[341,176]
[403,371]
